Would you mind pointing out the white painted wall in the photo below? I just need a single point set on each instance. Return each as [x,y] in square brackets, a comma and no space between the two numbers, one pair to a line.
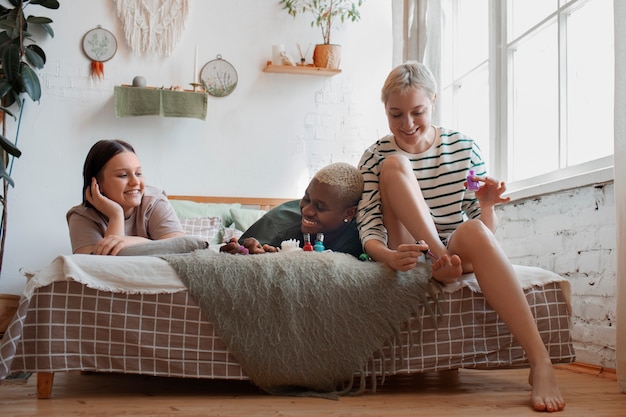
[265,139]
[572,233]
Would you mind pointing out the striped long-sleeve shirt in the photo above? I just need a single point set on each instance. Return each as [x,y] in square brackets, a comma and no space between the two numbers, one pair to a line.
[440,172]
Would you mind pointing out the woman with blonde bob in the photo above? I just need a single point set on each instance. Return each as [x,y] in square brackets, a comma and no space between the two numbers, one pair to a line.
[416,199]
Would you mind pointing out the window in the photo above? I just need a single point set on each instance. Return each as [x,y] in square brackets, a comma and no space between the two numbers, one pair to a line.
[540,104]
[465,69]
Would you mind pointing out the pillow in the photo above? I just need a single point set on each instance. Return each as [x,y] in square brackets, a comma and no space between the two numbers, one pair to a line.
[186,209]
[243,218]
[183,244]
[207,228]
[230,232]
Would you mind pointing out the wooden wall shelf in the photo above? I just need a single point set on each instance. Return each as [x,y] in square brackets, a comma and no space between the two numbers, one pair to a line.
[302,70]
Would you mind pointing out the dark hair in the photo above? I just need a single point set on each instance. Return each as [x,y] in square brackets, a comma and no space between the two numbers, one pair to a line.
[100,153]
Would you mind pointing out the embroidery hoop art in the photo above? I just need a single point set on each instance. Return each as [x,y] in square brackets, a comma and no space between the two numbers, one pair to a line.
[219,77]
[99,45]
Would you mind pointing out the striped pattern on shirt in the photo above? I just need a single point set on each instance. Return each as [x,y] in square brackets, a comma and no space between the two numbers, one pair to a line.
[440,173]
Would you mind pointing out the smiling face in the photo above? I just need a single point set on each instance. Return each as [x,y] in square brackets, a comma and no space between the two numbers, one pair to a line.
[323,211]
[409,114]
[121,180]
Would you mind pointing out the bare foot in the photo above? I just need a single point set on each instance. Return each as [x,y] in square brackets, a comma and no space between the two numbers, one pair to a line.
[447,269]
[545,394]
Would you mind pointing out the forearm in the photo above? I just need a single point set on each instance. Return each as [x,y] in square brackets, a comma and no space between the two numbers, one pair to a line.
[171,235]
[378,251]
[115,227]
[489,218]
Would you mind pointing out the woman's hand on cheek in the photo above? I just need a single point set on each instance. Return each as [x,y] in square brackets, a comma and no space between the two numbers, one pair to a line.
[103,204]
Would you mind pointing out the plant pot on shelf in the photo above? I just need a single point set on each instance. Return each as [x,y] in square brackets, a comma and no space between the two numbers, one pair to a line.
[327,56]
[8,308]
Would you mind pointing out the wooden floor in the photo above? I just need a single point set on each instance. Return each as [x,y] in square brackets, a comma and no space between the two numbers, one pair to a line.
[463,393]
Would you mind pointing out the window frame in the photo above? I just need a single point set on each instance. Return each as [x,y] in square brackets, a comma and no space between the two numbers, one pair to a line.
[500,102]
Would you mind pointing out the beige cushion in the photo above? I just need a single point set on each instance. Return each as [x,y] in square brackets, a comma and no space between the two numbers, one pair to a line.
[207,228]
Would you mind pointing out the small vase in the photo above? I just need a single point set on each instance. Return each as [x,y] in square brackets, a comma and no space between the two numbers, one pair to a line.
[327,56]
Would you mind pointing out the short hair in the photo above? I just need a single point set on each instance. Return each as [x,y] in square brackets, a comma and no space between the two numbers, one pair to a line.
[100,153]
[345,177]
[411,74]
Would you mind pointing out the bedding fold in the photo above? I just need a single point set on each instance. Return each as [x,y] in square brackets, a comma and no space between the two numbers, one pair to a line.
[125,274]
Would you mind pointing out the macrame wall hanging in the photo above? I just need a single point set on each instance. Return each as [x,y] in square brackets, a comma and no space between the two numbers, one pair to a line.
[153,26]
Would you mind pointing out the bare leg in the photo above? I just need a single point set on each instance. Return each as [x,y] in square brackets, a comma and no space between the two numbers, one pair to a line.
[475,243]
[407,217]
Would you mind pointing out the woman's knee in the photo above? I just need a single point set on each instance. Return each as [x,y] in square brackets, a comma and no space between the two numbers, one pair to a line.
[473,231]
[395,165]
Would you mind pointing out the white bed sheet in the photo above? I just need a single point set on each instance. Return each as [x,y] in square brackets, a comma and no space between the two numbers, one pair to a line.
[153,275]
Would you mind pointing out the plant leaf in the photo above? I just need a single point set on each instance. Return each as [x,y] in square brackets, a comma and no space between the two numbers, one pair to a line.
[35,55]
[4,174]
[11,97]
[5,87]
[11,23]
[11,62]
[49,4]
[8,146]
[7,111]
[48,29]
[38,20]
[30,82]
[43,22]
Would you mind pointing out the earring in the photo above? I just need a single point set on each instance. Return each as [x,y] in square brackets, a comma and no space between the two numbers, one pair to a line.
[345,220]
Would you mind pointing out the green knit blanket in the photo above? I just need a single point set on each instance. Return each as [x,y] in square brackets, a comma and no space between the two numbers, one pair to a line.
[303,323]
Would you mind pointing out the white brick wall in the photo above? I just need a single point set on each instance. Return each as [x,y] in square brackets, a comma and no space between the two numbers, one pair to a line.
[573,234]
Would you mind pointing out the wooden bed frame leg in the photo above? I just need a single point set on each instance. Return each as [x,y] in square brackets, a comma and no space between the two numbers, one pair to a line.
[44,384]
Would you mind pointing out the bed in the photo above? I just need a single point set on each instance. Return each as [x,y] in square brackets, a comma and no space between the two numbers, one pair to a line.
[134,315]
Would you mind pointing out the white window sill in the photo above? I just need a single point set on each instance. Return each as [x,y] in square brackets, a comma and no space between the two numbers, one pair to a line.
[600,176]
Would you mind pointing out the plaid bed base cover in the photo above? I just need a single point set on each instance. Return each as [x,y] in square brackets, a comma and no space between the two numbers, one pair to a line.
[67,326]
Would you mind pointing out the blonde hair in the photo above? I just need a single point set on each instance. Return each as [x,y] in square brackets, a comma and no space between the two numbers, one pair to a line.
[345,177]
[411,74]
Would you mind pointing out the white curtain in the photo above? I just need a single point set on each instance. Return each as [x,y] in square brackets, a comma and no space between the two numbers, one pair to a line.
[620,187]
[417,30]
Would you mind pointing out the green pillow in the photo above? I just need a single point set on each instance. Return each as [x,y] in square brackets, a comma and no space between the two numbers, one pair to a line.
[243,218]
[186,209]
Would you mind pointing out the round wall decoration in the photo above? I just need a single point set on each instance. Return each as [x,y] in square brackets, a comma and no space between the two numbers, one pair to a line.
[99,45]
[218,77]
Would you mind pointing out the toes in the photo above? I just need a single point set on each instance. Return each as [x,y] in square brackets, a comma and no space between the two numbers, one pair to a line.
[539,405]
[550,406]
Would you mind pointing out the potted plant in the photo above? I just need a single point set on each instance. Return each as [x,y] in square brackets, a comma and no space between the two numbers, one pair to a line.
[326,15]
[20,56]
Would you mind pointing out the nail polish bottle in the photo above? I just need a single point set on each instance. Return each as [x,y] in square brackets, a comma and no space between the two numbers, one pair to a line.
[471,184]
[307,243]
[319,243]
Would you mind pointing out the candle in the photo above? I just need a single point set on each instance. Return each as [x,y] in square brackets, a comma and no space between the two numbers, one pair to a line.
[195,66]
